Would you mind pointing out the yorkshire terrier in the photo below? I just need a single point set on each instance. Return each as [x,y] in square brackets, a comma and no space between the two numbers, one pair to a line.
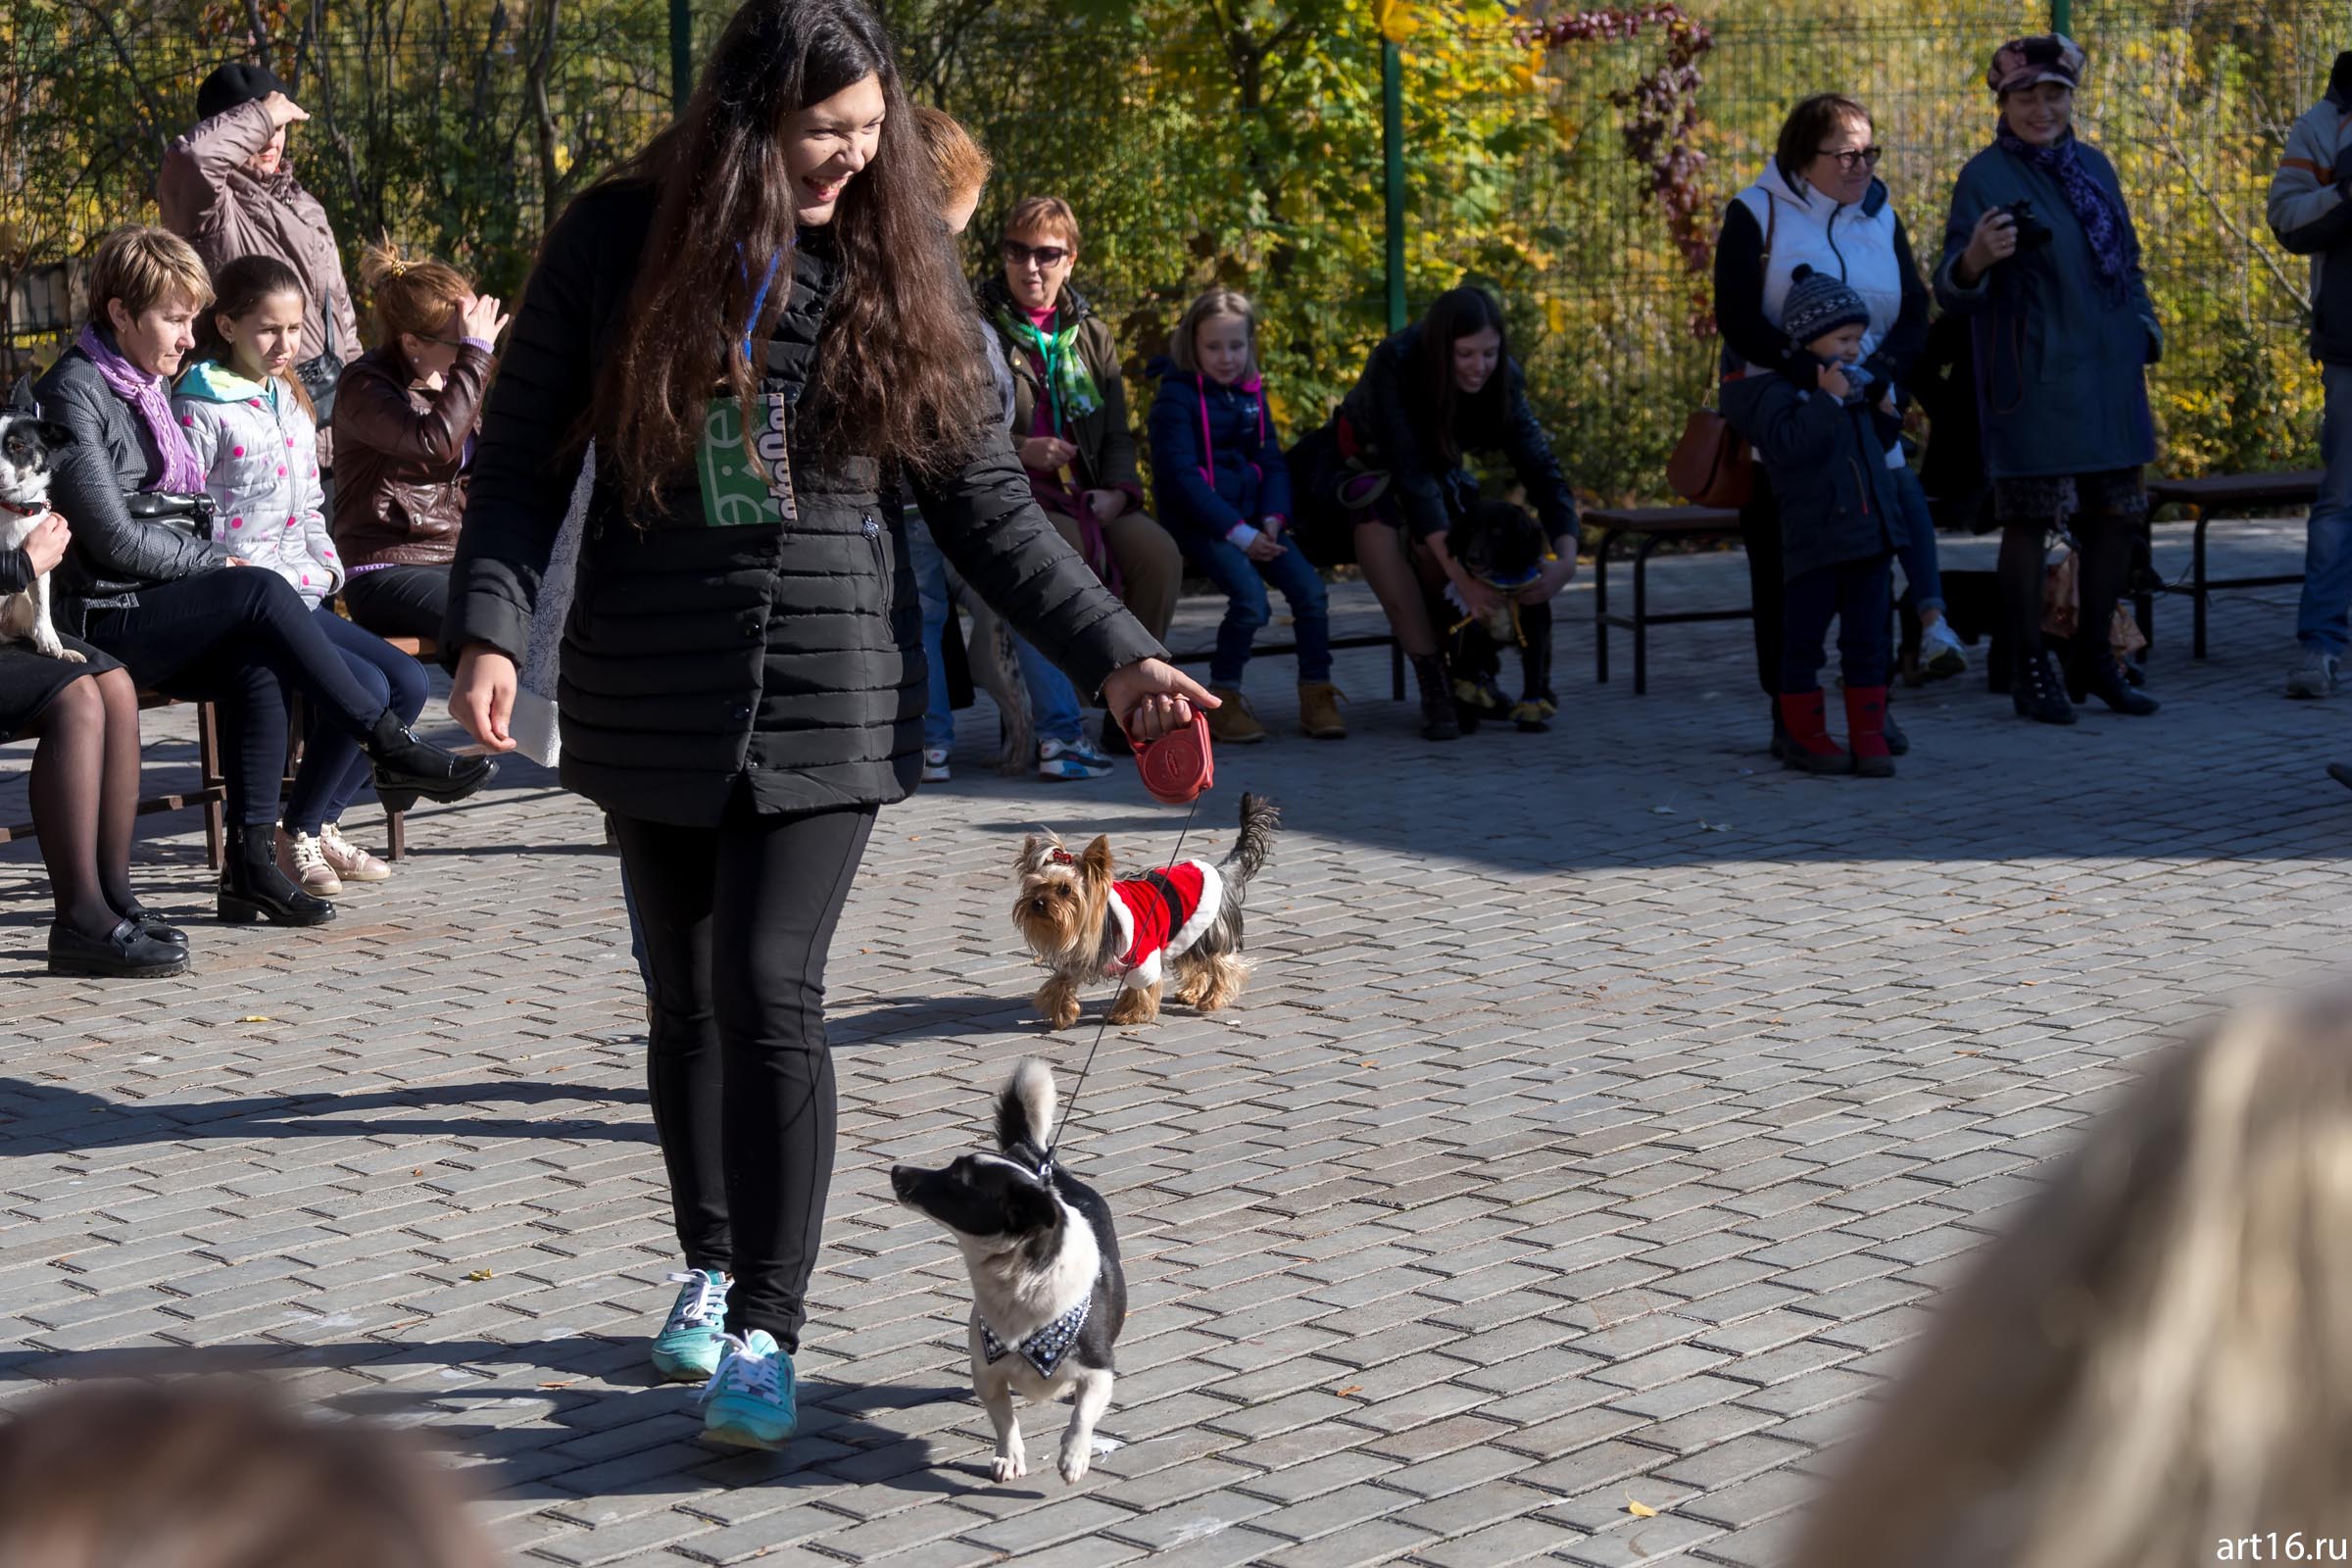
[1182,921]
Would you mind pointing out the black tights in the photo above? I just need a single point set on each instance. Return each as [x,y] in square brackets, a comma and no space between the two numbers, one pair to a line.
[85,797]
[2103,544]
[737,920]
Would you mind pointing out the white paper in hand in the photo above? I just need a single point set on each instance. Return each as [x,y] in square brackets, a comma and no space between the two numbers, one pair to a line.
[534,727]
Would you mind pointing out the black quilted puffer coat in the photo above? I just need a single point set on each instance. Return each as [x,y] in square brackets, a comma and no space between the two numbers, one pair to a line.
[700,661]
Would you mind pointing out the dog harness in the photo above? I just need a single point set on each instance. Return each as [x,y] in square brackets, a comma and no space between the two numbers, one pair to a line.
[1046,1349]
[1159,915]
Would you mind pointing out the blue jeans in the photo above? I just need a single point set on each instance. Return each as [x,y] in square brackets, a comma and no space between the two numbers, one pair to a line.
[1053,700]
[1854,593]
[335,771]
[2320,624]
[1244,583]
[1923,579]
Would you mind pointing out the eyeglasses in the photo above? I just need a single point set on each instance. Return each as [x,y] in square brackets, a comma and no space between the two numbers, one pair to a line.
[1857,158]
[1047,257]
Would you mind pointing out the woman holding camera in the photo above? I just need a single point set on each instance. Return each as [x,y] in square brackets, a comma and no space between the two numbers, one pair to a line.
[2040,250]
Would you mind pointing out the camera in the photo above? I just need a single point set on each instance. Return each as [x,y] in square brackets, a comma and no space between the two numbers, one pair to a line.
[2032,232]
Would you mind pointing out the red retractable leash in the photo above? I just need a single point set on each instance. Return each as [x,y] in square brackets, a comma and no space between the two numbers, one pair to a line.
[1178,768]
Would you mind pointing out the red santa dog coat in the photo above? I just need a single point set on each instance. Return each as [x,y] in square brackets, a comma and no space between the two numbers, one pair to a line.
[1158,916]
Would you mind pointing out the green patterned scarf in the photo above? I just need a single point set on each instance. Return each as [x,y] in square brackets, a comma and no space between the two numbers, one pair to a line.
[1068,385]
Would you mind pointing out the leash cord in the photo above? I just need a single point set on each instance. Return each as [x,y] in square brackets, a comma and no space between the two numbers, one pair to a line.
[1063,1120]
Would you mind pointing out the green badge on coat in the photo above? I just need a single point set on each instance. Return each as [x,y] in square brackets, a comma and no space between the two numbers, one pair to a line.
[735,494]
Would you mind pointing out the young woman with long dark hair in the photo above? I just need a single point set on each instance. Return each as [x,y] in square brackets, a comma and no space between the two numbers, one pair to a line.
[1392,461]
[749,321]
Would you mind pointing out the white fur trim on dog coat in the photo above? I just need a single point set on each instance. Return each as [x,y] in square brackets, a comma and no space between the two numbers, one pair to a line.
[1158,916]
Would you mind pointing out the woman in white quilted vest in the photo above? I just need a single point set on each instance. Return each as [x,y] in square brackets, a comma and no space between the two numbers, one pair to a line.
[252,428]
[1820,203]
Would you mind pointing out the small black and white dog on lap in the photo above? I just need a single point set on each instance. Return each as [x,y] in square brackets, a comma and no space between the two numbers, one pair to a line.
[1503,546]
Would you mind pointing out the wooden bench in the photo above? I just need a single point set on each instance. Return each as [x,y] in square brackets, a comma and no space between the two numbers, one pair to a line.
[1387,640]
[1656,526]
[2228,495]
[208,797]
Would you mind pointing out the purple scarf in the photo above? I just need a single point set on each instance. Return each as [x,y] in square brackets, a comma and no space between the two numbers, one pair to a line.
[2099,212]
[149,394]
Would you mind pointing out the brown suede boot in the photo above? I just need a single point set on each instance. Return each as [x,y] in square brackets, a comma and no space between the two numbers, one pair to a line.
[1319,711]
[1233,724]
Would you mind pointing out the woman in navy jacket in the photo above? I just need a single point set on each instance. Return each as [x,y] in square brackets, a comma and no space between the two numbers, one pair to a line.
[1224,491]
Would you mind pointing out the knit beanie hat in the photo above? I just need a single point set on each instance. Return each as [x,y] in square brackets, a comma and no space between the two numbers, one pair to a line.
[233,84]
[1818,303]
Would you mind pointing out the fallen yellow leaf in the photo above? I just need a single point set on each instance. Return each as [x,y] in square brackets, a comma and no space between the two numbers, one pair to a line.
[255,1018]
[1639,1510]
[1353,1388]
[482,1274]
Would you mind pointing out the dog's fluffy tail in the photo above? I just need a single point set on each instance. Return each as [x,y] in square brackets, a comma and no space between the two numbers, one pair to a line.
[1260,817]
[1025,1109]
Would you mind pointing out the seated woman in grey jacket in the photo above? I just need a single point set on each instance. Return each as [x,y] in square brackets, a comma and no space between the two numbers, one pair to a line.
[157,589]
[2039,250]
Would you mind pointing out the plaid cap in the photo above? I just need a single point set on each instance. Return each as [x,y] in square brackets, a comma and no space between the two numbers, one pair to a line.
[2045,57]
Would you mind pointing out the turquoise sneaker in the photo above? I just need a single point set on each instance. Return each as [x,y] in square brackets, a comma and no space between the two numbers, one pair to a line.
[750,1397]
[687,1349]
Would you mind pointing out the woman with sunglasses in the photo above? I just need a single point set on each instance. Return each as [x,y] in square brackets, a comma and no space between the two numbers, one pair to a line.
[1070,420]
[1820,205]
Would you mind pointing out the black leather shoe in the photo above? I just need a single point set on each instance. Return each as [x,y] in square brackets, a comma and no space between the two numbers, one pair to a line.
[123,953]
[155,927]
[408,769]
[2107,683]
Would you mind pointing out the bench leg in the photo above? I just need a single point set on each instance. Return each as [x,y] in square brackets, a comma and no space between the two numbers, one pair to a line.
[210,781]
[2197,556]
[1641,615]
[1600,608]
[396,835]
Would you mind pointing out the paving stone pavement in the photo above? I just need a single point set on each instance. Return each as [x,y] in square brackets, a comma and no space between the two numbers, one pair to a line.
[1604,1113]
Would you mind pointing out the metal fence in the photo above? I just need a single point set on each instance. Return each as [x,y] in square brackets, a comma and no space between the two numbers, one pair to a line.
[1197,155]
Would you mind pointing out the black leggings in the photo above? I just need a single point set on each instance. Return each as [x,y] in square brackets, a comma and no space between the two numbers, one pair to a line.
[1760,535]
[399,600]
[737,920]
[240,637]
[2105,544]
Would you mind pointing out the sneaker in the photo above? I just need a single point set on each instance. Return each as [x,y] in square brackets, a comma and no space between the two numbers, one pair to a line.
[1091,755]
[748,1400]
[1940,656]
[1062,760]
[935,764]
[688,1346]
[2314,676]
[302,861]
[1233,724]
[348,861]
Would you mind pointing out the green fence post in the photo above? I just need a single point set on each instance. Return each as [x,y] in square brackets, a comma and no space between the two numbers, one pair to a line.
[2062,15]
[1392,141]
[681,54]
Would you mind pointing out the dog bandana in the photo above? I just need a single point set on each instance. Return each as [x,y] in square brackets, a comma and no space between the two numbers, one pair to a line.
[1159,915]
[1045,1348]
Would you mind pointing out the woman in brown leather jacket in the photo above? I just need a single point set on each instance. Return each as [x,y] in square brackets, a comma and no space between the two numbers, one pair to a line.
[405,416]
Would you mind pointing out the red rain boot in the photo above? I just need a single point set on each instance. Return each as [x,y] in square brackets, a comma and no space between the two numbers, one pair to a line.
[1866,731]
[1809,747]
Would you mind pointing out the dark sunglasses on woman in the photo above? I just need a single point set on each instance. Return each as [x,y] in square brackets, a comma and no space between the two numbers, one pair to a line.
[1047,257]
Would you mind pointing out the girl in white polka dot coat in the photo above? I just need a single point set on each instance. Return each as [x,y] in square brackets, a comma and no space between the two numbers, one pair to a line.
[254,433]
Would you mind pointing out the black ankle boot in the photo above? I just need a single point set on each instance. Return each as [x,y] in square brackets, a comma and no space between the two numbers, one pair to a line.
[253,887]
[2106,681]
[1437,723]
[2036,690]
[407,767]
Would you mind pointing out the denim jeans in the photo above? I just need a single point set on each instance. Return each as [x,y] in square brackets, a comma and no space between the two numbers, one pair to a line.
[1923,579]
[1854,593]
[1244,583]
[2320,624]
[393,680]
[1053,700]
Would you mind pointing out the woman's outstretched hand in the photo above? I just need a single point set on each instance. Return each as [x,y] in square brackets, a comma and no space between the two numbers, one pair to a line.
[482,696]
[1150,698]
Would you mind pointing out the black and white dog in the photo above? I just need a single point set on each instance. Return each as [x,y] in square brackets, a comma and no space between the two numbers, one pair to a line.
[26,445]
[1047,1297]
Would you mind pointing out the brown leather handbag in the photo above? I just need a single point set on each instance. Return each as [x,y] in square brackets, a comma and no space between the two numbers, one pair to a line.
[1712,464]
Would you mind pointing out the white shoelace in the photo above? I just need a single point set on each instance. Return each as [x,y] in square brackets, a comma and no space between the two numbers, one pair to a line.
[308,854]
[707,1303]
[743,1370]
